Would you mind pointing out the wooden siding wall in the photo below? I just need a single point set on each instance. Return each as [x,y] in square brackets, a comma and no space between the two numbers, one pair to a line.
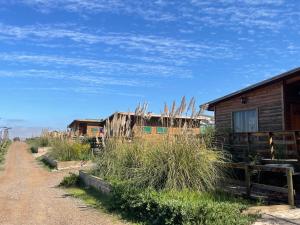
[170,130]
[267,100]
[77,129]
[90,132]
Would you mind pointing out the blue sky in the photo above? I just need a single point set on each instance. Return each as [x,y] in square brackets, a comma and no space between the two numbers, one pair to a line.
[66,59]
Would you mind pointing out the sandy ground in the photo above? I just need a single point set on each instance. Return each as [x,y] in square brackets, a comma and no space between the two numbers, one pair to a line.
[29,196]
[286,217]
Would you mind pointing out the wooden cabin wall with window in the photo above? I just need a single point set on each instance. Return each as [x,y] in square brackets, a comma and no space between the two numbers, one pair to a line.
[266,100]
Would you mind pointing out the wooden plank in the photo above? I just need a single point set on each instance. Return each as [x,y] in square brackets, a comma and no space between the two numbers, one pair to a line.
[248,180]
[270,168]
[291,193]
[283,142]
[234,165]
[270,188]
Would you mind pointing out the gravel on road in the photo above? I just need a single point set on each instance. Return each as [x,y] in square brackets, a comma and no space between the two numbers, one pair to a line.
[29,195]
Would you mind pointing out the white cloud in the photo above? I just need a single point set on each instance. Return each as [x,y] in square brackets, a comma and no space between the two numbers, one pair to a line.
[82,78]
[262,14]
[106,68]
[176,50]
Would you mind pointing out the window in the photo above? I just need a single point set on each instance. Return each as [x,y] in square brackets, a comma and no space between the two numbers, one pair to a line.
[245,121]
[148,130]
[161,130]
[94,129]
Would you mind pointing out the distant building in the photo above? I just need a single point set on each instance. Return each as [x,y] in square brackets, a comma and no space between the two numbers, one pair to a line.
[85,127]
[153,125]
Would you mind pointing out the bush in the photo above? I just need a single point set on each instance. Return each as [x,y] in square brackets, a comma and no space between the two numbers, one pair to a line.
[64,150]
[44,142]
[34,149]
[70,181]
[175,163]
[3,149]
[35,143]
[174,207]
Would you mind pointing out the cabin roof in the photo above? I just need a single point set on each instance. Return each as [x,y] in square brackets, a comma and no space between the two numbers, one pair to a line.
[84,121]
[158,116]
[272,80]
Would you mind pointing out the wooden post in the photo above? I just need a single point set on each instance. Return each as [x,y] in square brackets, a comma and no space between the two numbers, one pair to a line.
[295,136]
[291,194]
[248,180]
[271,142]
[248,148]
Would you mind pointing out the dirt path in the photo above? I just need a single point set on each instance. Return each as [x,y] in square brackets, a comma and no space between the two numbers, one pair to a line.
[28,195]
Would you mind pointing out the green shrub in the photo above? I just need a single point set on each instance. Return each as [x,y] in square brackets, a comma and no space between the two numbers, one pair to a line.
[37,142]
[179,207]
[34,149]
[70,181]
[44,142]
[64,150]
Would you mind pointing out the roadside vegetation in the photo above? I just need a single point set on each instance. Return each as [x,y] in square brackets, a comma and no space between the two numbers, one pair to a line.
[175,180]
[65,150]
[62,149]
[35,143]
[3,149]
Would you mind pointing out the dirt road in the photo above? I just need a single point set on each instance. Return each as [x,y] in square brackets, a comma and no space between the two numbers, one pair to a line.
[28,195]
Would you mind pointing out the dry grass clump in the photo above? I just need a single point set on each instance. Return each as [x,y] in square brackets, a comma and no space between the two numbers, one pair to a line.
[176,162]
[179,163]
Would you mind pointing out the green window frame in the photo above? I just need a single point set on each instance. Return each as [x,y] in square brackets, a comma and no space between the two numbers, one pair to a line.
[161,130]
[147,130]
[94,130]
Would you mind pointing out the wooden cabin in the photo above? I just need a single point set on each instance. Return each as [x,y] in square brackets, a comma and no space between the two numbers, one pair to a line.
[154,126]
[85,127]
[270,108]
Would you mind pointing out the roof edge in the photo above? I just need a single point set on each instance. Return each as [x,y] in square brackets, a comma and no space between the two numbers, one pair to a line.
[271,80]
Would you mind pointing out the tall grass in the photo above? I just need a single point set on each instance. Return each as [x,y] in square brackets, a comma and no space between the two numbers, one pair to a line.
[175,162]
[64,150]
[179,163]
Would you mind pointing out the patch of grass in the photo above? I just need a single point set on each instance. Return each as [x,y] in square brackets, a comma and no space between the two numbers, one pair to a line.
[35,143]
[70,181]
[183,207]
[99,201]
[167,207]
[64,150]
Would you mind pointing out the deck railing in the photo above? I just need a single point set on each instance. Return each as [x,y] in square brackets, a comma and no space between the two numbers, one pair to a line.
[279,144]
[286,170]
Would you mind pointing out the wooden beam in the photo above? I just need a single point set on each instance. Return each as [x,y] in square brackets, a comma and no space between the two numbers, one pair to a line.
[270,188]
[271,145]
[291,192]
[248,180]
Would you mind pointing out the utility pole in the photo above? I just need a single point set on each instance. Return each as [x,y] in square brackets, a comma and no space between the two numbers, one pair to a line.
[4,133]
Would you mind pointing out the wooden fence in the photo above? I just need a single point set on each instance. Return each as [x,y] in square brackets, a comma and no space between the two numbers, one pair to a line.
[287,170]
[283,144]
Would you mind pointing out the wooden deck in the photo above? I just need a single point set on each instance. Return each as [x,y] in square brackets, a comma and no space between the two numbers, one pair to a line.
[272,145]
[285,169]
[272,153]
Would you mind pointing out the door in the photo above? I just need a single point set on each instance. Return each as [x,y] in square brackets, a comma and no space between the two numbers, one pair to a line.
[295,116]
